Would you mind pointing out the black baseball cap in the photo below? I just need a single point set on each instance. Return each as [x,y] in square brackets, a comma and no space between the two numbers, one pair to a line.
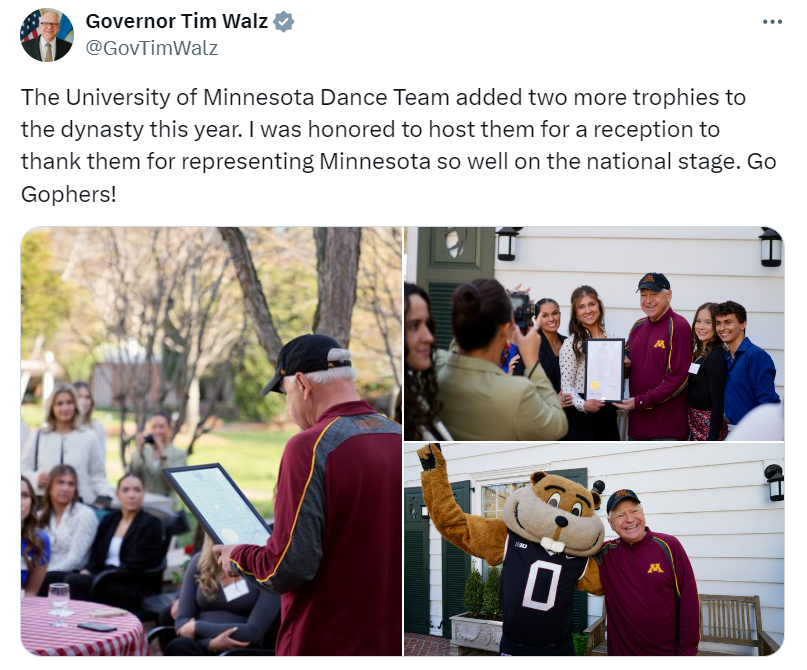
[307,353]
[618,496]
[653,281]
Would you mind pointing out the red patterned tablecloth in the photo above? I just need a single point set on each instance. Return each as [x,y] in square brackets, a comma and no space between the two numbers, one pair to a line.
[40,638]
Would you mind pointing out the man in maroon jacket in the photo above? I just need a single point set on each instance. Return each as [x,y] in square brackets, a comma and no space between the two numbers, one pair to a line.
[335,553]
[660,351]
[650,589]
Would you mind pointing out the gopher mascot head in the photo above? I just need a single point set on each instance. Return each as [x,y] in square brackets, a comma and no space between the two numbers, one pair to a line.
[553,511]
[557,513]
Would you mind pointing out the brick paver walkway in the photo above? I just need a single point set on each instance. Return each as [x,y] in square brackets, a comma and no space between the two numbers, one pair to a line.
[426,645]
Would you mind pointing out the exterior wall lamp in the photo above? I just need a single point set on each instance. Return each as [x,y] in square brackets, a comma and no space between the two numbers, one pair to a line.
[771,248]
[776,480]
[507,243]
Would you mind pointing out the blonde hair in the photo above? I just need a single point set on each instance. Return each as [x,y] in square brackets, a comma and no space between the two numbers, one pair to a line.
[50,417]
[209,570]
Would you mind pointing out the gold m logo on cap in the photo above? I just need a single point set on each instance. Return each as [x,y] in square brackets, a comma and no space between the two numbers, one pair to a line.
[623,492]
[648,278]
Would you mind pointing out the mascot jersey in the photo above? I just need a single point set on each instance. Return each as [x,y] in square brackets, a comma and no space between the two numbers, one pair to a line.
[536,597]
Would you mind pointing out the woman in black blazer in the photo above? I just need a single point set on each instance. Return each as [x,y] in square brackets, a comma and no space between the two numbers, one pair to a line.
[129,540]
[548,321]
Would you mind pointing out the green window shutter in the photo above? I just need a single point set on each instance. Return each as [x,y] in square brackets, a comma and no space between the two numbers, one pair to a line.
[439,272]
[441,295]
[416,564]
[456,565]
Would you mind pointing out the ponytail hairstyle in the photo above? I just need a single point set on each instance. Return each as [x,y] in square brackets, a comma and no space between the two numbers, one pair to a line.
[209,571]
[35,551]
[478,310]
[420,386]
[576,329]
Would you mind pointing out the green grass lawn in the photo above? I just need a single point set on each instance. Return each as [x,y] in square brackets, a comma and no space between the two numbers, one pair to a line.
[250,455]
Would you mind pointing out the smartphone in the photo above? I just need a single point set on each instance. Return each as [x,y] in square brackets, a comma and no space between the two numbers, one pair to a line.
[98,627]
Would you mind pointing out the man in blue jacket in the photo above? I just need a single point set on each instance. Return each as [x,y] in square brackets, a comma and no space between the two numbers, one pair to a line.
[752,373]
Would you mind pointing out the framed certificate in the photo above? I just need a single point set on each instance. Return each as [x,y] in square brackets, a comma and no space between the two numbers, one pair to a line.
[605,370]
[218,504]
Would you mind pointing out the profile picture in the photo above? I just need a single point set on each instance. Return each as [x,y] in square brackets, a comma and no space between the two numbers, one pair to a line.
[46,35]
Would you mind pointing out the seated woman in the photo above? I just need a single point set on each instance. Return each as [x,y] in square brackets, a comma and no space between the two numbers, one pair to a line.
[70,525]
[707,384]
[154,453]
[217,612]
[420,379]
[480,401]
[35,552]
[128,539]
[65,440]
[589,419]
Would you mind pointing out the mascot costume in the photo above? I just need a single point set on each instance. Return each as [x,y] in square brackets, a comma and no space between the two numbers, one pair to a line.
[548,533]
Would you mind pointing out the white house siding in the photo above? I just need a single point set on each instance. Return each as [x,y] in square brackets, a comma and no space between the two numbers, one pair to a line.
[712,497]
[705,263]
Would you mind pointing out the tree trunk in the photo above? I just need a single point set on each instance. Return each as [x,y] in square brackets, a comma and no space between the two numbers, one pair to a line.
[192,414]
[337,271]
[254,299]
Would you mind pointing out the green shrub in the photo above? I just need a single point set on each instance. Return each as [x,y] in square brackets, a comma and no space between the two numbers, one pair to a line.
[248,381]
[491,608]
[473,599]
[580,644]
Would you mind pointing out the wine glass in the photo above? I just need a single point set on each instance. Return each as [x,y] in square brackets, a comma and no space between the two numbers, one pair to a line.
[59,597]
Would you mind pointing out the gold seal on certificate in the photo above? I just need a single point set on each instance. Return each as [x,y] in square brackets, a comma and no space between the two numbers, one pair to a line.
[605,371]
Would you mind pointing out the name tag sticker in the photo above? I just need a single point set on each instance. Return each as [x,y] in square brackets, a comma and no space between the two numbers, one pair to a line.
[693,369]
[236,590]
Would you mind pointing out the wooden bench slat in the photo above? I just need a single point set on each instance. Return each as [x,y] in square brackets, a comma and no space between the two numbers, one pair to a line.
[723,619]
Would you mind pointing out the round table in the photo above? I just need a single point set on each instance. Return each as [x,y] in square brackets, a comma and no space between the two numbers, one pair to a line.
[40,638]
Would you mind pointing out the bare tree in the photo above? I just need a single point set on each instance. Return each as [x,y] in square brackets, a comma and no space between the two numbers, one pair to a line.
[254,299]
[168,315]
[201,325]
[338,252]
[136,291]
[380,293]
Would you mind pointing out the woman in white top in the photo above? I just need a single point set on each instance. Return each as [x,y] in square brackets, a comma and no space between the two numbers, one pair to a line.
[86,405]
[589,419]
[70,525]
[63,440]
